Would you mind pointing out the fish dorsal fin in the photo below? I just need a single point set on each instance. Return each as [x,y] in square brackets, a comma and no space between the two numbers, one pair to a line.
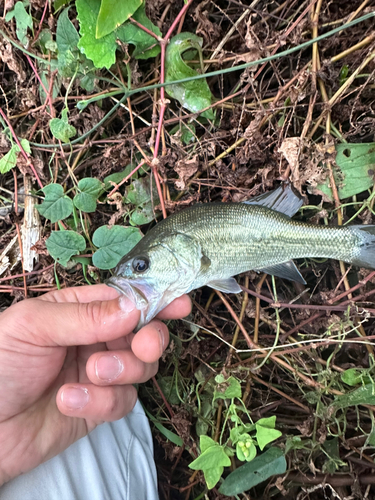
[228,285]
[283,199]
[286,270]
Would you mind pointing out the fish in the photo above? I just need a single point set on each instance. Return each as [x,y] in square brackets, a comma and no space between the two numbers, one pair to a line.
[210,243]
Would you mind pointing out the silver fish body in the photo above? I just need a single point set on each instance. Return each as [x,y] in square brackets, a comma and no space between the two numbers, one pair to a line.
[209,244]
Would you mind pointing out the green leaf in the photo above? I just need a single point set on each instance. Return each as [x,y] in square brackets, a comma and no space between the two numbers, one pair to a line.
[90,189]
[62,245]
[113,243]
[132,34]
[9,161]
[294,443]
[355,376]
[206,442]
[364,395]
[266,432]
[117,177]
[212,476]
[213,457]
[85,261]
[67,37]
[213,462]
[60,3]
[23,21]
[343,74]
[138,193]
[171,436]
[371,439]
[101,52]
[46,41]
[60,127]
[247,476]
[355,170]
[194,95]
[265,435]
[142,216]
[56,205]
[268,422]
[113,13]
[169,389]
[232,389]
[187,133]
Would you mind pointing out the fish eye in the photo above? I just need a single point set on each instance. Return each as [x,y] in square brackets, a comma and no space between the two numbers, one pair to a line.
[140,264]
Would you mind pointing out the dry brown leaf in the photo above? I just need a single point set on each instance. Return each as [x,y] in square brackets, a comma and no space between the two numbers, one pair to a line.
[39,247]
[291,148]
[252,43]
[210,31]
[185,170]
[8,57]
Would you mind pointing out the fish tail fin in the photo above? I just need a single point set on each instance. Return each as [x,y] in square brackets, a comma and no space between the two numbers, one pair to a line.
[365,254]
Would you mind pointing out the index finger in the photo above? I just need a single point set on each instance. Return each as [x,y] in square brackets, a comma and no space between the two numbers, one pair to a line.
[87,293]
[177,309]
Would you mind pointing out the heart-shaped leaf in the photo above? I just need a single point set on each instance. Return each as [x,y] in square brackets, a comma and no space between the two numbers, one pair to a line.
[113,243]
[90,189]
[56,205]
[62,245]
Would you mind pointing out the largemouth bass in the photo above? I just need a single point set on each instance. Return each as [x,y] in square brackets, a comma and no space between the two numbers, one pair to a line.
[208,244]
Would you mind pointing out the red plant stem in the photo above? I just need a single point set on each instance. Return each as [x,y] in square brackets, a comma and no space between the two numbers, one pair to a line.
[21,275]
[146,30]
[163,44]
[126,178]
[171,412]
[48,94]
[177,20]
[24,154]
[41,22]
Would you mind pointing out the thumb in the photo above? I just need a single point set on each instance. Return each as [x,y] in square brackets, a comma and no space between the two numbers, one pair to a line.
[46,323]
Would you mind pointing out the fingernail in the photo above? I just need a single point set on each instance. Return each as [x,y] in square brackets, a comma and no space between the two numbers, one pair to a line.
[75,397]
[126,305]
[108,368]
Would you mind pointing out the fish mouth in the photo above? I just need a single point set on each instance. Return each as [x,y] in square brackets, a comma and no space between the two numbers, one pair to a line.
[141,294]
[130,290]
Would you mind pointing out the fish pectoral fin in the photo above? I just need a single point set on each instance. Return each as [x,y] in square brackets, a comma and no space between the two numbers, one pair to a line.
[283,199]
[228,285]
[286,270]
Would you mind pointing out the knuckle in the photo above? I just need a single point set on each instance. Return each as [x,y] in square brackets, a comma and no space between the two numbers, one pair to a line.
[91,312]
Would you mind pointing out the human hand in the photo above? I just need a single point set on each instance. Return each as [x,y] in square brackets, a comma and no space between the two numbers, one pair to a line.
[67,362]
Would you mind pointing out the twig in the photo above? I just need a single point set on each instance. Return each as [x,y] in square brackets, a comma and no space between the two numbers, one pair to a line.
[18,230]
[24,154]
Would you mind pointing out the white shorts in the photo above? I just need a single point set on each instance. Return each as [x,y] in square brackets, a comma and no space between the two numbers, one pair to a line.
[114,462]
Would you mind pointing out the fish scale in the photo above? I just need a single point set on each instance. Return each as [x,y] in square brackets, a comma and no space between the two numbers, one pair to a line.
[253,237]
